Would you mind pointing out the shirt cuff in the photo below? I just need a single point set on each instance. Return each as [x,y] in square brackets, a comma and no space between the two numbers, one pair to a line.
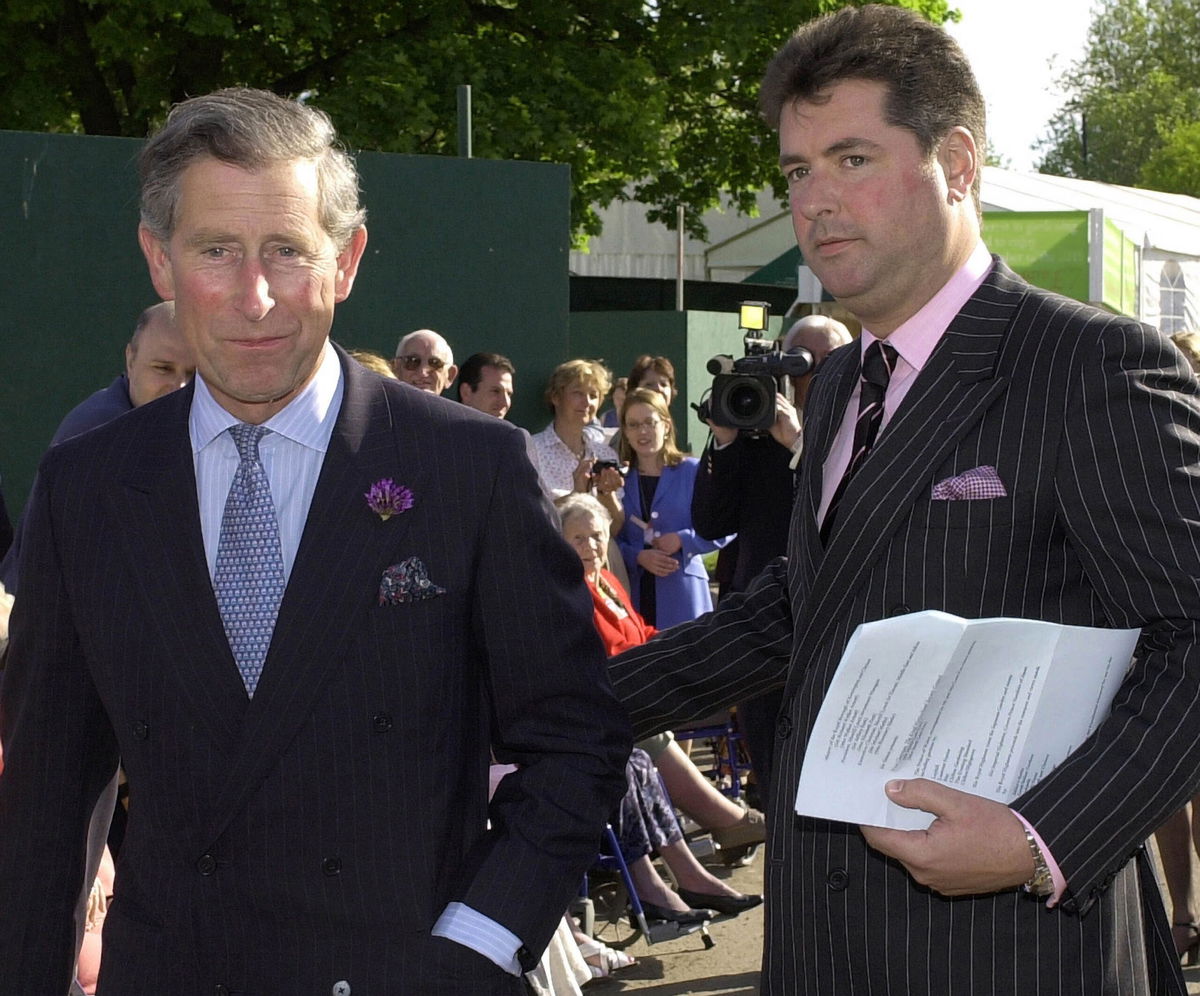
[463,925]
[1060,882]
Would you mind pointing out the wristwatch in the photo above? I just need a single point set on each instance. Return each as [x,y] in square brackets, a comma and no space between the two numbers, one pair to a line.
[1042,882]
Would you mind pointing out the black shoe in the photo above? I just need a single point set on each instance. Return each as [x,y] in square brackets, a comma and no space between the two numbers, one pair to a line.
[684,918]
[730,905]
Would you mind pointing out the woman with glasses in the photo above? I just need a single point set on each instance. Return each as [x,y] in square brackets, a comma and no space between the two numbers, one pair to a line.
[661,550]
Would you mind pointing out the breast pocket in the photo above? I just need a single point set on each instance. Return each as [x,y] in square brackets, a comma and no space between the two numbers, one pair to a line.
[970,513]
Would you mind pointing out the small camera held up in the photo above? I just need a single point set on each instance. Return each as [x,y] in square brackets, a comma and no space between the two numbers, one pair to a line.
[743,390]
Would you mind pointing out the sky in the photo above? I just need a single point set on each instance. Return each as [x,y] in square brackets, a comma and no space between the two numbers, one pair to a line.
[1018,49]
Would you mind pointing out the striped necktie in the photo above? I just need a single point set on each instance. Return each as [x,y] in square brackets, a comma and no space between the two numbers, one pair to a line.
[879,361]
[248,578]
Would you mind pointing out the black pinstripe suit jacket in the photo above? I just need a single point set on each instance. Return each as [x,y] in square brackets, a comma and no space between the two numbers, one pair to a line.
[1092,423]
[314,834]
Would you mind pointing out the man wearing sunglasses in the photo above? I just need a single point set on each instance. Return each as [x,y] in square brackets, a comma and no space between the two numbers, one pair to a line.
[425,360]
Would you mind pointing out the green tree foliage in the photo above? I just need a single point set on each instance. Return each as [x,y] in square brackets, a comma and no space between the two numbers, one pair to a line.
[657,94]
[1134,96]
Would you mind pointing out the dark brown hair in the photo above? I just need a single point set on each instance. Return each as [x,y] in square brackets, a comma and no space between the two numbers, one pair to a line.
[931,88]
[645,363]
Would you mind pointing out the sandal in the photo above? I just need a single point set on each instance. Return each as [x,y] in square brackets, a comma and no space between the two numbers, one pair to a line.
[608,960]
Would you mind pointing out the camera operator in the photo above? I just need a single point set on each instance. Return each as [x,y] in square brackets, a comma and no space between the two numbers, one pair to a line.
[744,486]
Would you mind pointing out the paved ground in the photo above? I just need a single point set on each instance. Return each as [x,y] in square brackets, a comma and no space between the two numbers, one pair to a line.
[678,967]
[681,967]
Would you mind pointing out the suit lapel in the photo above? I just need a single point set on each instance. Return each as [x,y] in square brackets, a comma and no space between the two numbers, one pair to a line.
[831,393]
[952,392]
[334,580]
[163,543]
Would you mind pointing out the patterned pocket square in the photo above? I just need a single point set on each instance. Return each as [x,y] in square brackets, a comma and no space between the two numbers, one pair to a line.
[978,482]
[407,581]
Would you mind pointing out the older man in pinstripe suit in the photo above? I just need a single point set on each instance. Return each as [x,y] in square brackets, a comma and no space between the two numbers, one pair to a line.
[291,618]
[1032,457]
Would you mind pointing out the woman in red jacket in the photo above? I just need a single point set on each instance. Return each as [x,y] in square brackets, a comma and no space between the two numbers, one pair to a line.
[646,821]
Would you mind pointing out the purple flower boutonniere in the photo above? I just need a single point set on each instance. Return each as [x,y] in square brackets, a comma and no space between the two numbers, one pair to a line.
[386,498]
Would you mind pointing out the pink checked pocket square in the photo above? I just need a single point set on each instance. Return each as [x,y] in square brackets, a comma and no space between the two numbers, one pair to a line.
[978,482]
[407,581]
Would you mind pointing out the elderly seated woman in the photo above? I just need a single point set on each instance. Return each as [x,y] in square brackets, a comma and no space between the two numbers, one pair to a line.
[646,821]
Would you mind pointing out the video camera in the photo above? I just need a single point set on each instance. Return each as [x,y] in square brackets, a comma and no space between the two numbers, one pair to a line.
[743,390]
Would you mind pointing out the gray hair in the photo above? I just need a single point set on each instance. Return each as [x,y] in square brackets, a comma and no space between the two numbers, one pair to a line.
[249,129]
[439,344]
[577,503]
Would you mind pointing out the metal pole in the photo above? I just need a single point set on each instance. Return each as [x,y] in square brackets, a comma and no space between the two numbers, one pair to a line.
[464,120]
[679,258]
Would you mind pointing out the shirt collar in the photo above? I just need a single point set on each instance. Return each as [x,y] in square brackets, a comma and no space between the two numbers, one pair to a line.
[307,419]
[916,338]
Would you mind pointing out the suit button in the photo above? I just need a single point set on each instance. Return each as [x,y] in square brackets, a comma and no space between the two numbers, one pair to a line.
[332,866]
[340,989]
[206,864]
[382,722]
[899,610]
[141,730]
[783,728]
[837,880]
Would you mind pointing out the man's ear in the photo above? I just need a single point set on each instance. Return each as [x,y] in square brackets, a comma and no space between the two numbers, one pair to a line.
[159,262]
[347,264]
[958,156]
[452,372]
[129,354]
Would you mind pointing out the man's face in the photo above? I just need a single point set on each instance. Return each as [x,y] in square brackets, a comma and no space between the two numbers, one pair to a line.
[872,214]
[160,363]
[494,393]
[425,364]
[254,278]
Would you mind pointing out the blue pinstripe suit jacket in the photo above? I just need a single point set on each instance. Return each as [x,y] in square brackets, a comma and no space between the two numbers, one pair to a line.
[1093,424]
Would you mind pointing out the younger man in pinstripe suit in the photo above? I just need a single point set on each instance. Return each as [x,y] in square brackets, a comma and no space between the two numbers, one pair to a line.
[1037,458]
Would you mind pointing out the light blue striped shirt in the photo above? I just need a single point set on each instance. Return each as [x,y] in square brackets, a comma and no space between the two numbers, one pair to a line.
[292,454]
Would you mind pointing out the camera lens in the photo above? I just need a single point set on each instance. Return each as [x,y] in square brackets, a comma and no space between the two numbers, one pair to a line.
[745,401]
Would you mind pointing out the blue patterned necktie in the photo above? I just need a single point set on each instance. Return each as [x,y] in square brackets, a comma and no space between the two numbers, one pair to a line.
[248,579]
[879,361]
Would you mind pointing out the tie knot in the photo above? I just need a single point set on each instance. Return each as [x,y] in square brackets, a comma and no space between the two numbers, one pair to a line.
[878,363]
[246,438]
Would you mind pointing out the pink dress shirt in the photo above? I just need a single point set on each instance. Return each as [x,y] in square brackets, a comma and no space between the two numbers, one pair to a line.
[914,342]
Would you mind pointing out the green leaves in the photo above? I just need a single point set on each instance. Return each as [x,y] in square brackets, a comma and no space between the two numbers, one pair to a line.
[657,97]
[1133,99]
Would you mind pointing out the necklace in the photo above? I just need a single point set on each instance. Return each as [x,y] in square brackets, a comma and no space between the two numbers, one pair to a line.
[611,598]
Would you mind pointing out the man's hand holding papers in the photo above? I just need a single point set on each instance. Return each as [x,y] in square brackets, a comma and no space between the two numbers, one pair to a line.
[974,845]
[933,724]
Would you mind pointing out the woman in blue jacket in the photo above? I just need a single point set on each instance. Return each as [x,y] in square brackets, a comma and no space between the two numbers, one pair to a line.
[662,552]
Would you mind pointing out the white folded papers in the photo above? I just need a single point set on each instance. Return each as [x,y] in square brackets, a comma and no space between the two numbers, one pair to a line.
[988,706]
